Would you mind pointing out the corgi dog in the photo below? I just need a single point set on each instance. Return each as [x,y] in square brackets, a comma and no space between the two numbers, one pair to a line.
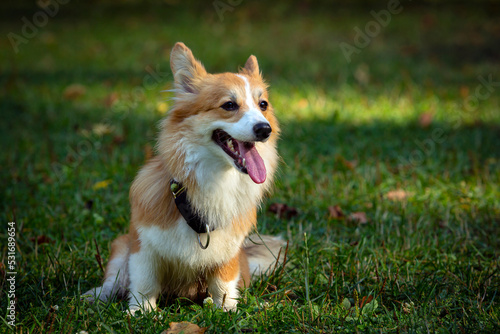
[194,205]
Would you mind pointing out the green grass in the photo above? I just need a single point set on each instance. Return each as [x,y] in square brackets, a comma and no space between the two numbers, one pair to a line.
[430,261]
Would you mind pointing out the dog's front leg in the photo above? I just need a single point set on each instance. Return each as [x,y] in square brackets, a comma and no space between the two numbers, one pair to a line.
[145,284]
[223,285]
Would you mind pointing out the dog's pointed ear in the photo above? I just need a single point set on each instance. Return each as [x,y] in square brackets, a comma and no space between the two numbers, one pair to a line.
[186,69]
[251,67]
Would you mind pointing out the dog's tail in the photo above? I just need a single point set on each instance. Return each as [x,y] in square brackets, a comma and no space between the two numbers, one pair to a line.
[262,252]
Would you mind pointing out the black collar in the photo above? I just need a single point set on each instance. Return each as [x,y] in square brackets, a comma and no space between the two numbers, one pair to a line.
[193,219]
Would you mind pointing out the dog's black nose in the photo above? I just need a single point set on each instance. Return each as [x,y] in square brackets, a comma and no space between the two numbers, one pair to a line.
[262,131]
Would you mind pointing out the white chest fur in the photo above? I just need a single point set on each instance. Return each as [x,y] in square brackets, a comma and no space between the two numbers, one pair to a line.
[179,244]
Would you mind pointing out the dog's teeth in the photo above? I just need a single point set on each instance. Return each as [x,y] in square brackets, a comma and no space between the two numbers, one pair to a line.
[230,145]
[244,162]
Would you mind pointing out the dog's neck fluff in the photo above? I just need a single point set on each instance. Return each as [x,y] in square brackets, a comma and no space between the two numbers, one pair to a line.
[215,188]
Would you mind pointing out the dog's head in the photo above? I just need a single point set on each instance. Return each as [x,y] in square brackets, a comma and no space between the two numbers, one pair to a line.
[225,119]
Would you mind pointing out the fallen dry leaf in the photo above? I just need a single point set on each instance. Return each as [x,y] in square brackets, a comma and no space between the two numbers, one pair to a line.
[365,300]
[74,91]
[110,100]
[349,164]
[43,4]
[42,239]
[336,212]
[397,195]
[48,38]
[407,307]
[425,119]
[118,140]
[184,327]
[358,217]
[409,50]
[428,21]
[283,210]
[464,91]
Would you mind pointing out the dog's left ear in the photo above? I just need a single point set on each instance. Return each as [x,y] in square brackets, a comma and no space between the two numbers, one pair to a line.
[251,67]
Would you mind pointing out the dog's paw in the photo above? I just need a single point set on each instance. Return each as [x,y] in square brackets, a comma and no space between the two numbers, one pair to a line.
[92,296]
[136,310]
[87,297]
[229,305]
[231,308]
[133,311]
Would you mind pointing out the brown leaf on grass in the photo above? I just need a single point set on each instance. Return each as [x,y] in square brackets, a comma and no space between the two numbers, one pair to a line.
[43,4]
[358,217]
[74,91]
[41,239]
[407,307]
[110,100]
[283,211]
[184,327]
[48,37]
[397,195]
[428,21]
[409,50]
[425,119]
[148,151]
[365,300]
[271,288]
[464,91]
[47,179]
[349,164]
[118,140]
[336,212]
[291,295]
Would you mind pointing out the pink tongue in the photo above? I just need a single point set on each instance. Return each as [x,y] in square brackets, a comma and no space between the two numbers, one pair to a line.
[255,165]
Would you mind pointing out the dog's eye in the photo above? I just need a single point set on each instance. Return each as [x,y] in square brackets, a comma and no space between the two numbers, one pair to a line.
[263,105]
[229,106]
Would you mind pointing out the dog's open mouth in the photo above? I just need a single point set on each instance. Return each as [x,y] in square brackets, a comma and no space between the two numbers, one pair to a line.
[244,154]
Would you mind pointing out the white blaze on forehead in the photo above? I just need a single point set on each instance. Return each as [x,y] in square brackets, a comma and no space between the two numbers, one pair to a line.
[248,92]
[253,115]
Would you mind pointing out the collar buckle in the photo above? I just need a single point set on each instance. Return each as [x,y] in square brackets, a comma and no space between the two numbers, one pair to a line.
[176,188]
